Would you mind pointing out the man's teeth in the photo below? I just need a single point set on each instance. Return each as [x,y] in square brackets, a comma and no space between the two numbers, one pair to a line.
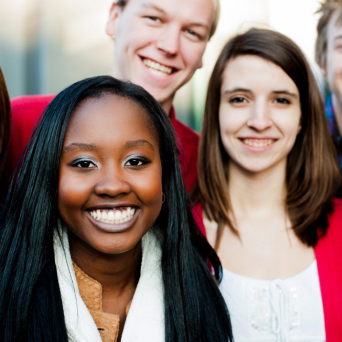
[113,216]
[156,68]
[257,142]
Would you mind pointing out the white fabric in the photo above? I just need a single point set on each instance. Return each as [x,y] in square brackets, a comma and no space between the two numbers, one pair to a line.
[145,320]
[278,310]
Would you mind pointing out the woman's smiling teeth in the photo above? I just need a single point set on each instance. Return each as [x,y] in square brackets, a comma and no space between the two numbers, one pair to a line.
[257,142]
[156,68]
[113,216]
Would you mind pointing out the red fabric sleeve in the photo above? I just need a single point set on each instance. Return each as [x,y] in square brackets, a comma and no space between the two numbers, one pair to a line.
[188,141]
[26,111]
[329,263]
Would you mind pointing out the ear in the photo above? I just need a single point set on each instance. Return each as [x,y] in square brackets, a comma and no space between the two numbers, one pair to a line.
[112,19]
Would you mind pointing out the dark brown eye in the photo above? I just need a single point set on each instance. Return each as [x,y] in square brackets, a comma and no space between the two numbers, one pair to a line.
[237,99]
[282,100]
[83,164]
[135,162]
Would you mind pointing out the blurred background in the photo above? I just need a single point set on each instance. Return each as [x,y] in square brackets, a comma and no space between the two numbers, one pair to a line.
[46,45]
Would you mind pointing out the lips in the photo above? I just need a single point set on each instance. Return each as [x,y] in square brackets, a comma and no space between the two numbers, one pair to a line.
[156,68]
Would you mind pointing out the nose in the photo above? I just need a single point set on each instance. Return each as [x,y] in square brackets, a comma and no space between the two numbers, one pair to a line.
[169,40]
[260,117]
[112,183]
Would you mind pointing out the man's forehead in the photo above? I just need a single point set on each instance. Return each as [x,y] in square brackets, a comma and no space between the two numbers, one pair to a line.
[203,12]
[176,7]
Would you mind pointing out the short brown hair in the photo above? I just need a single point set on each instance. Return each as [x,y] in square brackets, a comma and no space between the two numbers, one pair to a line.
[327,9]
[5,128]
[217,10]
[312,173]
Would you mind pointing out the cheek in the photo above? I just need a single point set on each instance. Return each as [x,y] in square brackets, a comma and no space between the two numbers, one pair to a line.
[136,36]
[149,188]
[335,66]
[71,194]
[229,122]
[290,128]
[192,54]
[149,191]
[228,127]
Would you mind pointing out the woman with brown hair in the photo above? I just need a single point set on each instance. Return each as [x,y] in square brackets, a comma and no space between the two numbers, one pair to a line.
[267,175]
[5,132]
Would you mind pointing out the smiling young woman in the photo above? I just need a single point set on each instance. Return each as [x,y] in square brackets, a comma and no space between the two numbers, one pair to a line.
[267,175]
[90,251]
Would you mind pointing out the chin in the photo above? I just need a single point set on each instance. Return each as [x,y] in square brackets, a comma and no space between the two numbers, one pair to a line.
[254,169]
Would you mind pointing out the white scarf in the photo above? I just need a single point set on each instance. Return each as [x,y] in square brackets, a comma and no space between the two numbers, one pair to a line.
[145,320]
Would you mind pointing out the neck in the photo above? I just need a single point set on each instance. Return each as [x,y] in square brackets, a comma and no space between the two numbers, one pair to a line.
[259,193]
[115,273]
[167,105]
[337,105]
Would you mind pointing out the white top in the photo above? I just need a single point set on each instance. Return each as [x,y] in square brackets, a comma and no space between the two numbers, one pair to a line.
[278,310]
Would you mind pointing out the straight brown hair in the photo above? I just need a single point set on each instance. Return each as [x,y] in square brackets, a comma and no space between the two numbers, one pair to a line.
[312,174]
[5,129]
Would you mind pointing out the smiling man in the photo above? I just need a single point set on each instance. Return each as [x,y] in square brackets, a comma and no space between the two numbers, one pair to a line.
[329,58]
[159,45]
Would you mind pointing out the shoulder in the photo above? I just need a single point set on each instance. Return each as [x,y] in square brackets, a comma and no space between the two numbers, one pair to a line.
[335,219]
[331,242]
[32,105]
[185,133]
[26,111]
[329,264]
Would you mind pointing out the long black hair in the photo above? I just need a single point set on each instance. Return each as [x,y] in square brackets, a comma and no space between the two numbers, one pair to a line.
[30,300]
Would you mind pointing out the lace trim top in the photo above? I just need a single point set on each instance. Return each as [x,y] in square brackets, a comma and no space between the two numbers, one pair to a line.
[277,310]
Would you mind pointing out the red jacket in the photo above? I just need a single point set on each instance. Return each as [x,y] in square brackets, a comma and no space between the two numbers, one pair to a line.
[188,141]
[328,253]
[26,110]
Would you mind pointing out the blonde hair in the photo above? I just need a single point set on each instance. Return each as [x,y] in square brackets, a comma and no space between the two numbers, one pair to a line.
[217,11]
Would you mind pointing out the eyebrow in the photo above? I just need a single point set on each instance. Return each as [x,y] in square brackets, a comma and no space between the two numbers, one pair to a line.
[138,143]
[229,91]
[80,146]
[285,92]
[338,37]
[157,8]
[92,147]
